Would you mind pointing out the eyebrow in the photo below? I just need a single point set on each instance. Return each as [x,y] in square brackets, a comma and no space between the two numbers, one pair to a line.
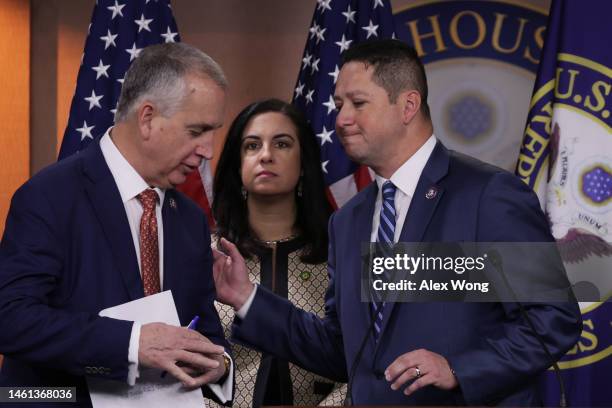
[204,126]
[277,136]
[352,94]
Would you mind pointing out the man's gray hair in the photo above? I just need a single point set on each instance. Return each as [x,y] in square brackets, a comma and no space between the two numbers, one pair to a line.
[158,75]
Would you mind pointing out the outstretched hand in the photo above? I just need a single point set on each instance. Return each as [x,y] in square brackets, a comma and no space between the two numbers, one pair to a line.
[231,275]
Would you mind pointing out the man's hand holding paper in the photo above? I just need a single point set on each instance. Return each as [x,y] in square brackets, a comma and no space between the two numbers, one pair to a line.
[185,354]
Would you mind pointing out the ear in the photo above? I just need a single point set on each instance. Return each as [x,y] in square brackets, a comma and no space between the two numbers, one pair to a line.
[411,103]
[145,114]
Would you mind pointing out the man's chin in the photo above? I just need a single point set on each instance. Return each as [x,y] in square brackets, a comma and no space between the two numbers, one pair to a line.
[354,155]
[176,181]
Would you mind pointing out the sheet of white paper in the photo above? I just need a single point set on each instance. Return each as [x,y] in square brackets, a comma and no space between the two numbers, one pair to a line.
[150,390]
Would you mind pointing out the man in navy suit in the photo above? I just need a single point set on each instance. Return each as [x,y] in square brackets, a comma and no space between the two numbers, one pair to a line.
[105,227]
[436,353]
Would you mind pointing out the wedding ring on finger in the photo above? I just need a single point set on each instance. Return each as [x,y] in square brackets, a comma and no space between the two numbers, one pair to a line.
[417,372]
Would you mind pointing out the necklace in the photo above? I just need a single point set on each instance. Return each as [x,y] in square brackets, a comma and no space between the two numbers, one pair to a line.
[276,241]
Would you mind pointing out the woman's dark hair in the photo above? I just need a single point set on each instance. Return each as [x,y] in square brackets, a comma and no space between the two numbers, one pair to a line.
[230,209]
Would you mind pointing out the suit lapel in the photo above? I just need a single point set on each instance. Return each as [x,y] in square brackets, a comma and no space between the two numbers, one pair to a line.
[170,215]
[110,212]
[422,207]
[362,216]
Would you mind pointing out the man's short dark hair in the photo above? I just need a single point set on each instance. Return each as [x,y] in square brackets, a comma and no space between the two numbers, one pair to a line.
[397,67]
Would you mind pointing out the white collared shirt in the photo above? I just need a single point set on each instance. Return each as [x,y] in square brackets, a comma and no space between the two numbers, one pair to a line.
[405,179]
[130,184]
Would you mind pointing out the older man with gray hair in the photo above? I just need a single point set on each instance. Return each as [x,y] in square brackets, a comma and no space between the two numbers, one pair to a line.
[105,227]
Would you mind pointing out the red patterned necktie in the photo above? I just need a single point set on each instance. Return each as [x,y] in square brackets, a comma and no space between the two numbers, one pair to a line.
[149,247]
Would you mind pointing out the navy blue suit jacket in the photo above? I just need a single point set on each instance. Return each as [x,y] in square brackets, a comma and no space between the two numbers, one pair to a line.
[67,253]
[494,353]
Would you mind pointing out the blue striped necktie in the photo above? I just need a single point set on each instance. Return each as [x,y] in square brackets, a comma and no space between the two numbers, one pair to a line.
[386,232]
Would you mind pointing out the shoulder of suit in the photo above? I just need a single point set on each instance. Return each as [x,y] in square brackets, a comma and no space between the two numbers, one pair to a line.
[474,176]
[62,174]
[471,168]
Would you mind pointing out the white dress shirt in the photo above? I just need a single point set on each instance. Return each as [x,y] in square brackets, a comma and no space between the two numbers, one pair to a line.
[405,179]
[130,184]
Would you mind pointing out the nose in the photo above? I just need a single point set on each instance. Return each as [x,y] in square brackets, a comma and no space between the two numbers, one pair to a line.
[266,154]
[204,147]
[344,117]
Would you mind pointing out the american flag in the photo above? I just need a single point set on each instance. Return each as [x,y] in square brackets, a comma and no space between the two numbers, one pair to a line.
[336,25]
[119,29]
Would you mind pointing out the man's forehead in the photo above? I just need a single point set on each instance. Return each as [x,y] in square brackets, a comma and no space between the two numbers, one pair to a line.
[357,67]
[201,82]
[353,77]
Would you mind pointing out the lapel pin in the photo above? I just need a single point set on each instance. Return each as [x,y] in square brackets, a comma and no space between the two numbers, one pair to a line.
[173,203]
[431,193]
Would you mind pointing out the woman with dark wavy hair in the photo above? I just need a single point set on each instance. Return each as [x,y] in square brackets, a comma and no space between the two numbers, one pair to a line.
[270,201]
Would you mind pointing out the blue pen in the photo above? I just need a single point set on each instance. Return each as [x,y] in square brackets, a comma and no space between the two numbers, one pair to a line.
[192,325]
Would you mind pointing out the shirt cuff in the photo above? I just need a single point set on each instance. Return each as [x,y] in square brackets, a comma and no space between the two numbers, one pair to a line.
[242,312]
[224,391]
[133,372]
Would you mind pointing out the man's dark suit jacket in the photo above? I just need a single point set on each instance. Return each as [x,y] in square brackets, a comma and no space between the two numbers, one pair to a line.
[67,253]
[494,353]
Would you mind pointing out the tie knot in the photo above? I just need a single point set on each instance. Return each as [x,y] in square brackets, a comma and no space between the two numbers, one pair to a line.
[148,198]
[388,190]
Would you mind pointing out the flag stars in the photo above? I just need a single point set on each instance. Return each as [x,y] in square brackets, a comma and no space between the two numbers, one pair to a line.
[334,74]
[315,66]
[143,23]
[325,136]
[169,35]
[314,30]
[319,35]
[306,60]
[309,96]
[324,166]
[109,39]
[371,30]
[344,44]
[324,5]
[85,131]
[378,3]
[349,14]
[299,89]
[133,52]
[94,100]
[330,104]
[101,70]
[116,9]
